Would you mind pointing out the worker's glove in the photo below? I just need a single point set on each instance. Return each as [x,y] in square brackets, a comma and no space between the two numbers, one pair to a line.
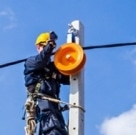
[30,91]
[31,88]
[53,38]
[52,43]
[64,108]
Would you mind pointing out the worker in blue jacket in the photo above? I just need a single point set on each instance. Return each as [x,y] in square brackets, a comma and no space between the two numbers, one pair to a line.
[39,69]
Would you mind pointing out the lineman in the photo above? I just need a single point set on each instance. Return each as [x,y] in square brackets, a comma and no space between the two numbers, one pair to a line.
[41,76]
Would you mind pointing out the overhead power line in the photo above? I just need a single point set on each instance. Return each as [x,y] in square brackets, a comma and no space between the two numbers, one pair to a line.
[109,45]
[12,63]
[85,48]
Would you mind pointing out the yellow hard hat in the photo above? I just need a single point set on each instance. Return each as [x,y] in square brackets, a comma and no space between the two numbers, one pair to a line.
[43,38]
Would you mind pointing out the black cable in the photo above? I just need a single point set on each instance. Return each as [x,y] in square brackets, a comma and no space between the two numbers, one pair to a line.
[85,48]
[15,62]
[108,45]
[12,63]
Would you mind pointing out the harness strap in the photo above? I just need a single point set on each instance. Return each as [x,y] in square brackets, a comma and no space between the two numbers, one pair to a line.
[37,87]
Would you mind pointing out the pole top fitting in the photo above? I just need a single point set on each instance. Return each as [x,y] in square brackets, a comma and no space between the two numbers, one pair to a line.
[72,30]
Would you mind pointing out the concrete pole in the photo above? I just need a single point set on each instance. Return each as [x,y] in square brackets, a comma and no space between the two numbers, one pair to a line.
[76,115]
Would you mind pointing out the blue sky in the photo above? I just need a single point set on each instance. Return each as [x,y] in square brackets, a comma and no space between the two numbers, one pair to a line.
[110,74]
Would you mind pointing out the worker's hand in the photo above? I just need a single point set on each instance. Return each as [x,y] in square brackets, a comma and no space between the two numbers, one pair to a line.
[31,88]
[53,38]
[52,43]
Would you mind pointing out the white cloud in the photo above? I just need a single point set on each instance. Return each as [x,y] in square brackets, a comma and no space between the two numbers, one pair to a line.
[7,19]
[124,124]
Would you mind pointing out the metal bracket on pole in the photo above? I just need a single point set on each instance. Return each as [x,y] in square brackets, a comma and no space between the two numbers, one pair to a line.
[72,34]
[76,115]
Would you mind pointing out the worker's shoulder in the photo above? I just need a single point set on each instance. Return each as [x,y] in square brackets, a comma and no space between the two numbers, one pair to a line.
[30,59]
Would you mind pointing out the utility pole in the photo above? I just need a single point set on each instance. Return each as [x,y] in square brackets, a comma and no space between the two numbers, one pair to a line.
[76,115]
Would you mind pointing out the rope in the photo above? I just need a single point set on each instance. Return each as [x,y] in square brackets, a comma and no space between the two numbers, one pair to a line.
[30,106]
[44,97]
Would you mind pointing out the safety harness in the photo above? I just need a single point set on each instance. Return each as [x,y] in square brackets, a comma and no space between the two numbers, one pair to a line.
[31,104]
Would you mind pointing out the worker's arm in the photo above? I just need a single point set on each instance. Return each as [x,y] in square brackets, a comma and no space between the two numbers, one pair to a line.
[35,63]
[41,60]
